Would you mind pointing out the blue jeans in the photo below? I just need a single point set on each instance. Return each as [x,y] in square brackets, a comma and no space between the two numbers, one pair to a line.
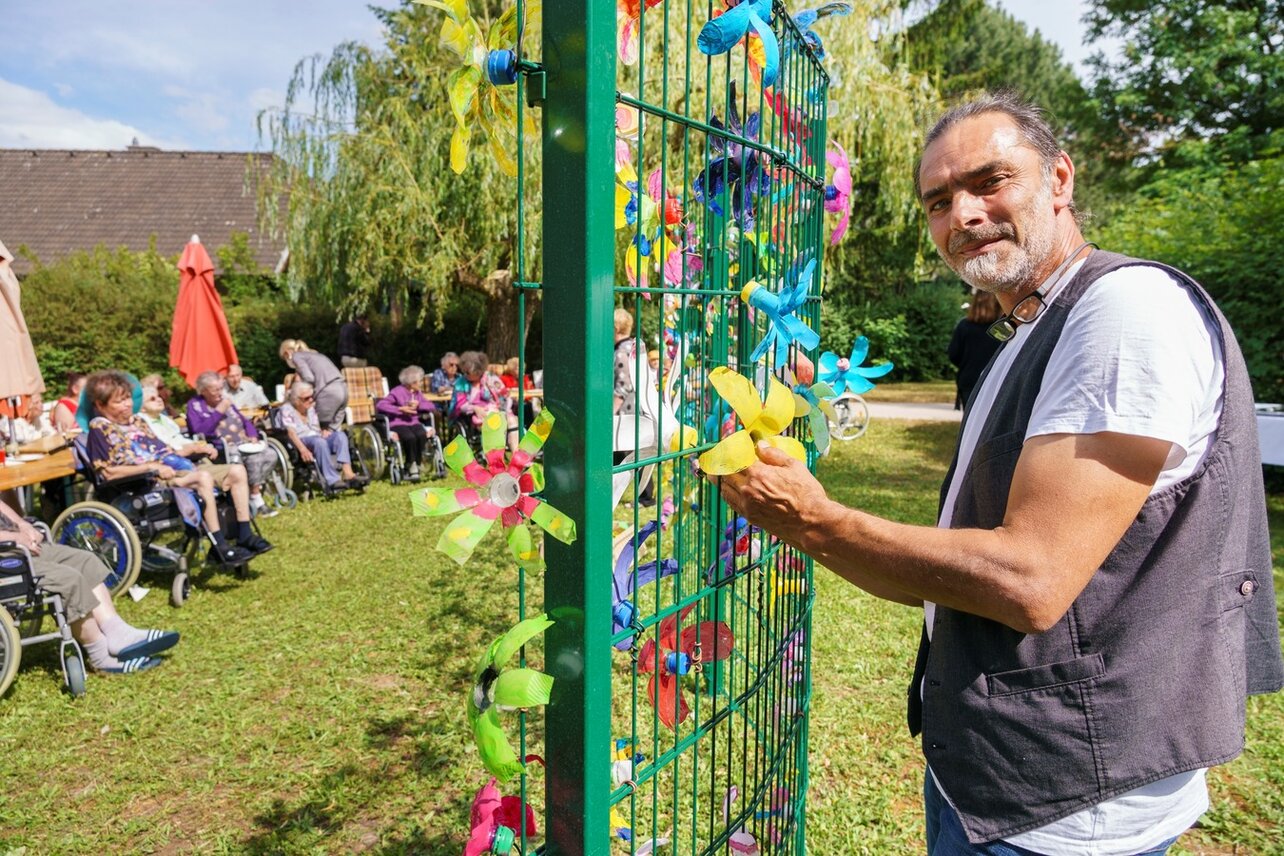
[945,836]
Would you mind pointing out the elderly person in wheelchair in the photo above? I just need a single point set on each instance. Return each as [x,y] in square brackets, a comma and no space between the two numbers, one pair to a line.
[326,447]
[212,413]
[404,405]
[477,392]
[112,645]
[121,446]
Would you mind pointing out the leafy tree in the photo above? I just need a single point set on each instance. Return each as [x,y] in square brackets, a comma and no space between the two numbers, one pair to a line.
[363,190]
[1191,69]
[1221,224]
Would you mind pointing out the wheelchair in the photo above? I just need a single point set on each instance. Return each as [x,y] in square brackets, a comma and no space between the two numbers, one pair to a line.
[135,524]
[853,417]
[394,456]
[301,479]
[23,609]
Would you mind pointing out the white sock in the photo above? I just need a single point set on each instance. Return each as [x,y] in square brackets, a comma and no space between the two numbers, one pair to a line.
[99,656]
[119,634]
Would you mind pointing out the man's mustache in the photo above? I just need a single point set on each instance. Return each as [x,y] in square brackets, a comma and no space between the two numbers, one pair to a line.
[960,241]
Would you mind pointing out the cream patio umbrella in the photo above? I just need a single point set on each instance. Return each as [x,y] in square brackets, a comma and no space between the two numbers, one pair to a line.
[19,371]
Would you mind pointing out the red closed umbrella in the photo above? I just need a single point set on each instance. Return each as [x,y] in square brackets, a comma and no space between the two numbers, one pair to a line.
[201,340]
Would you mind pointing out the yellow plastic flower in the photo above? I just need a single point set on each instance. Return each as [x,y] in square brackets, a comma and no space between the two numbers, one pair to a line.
[763,422]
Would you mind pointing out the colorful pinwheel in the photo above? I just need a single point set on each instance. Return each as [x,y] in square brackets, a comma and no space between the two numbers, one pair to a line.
[839,194]
[628,15]
[784,326]
[740,171]
[741,841]
[628,579]
[508,487]
[846,373]
[737,541]
[806,18]
[677,653]
[763,423]
[650,222]
[475,101]
[624,760]
[812,401]
[496,822]
[722,33]
[495,687]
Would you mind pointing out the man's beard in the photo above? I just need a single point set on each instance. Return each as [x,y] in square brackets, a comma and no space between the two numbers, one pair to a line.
[1000,274]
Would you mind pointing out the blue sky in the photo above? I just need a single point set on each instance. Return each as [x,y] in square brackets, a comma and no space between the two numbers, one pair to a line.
[193,74]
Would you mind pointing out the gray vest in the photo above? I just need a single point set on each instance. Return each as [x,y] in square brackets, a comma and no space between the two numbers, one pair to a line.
[1146,675]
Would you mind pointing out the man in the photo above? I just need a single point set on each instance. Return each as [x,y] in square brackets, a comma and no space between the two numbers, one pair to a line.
[243,392]
[443,379]
[354,339]
[111,645]
[211,413]
[1098,595]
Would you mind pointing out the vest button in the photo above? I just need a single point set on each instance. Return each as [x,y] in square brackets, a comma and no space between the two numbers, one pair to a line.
[1247,587]
[933,683]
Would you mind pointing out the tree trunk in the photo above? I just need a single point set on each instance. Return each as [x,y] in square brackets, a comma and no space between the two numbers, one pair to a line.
[502,339]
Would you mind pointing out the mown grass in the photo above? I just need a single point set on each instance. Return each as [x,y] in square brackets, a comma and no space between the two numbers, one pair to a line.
[928,392]
[317,707]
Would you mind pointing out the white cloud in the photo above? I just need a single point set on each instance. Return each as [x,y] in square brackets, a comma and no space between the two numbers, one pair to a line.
[34,121]
[65,90]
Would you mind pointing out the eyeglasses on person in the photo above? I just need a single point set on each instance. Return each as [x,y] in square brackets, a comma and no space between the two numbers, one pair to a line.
[1027,310]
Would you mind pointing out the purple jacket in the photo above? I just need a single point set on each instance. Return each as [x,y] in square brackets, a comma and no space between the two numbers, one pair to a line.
[399,397]
[203,419]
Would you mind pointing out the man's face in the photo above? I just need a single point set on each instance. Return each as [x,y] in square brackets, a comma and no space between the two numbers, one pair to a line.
[989,204]
[234,376]
[212,393]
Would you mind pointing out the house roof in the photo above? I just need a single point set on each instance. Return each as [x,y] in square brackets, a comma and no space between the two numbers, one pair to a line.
[56,201]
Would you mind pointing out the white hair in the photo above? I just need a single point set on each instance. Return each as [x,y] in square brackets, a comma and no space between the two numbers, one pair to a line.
[297,388]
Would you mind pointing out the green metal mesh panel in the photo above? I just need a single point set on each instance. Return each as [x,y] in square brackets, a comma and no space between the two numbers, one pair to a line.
[664,186]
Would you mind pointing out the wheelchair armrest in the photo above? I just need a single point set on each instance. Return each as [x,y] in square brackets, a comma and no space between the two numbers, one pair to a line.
[112,487]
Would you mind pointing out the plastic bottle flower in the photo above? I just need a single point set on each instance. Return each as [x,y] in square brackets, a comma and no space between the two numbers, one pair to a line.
[496,821]
[724,32]
[741,171]
[812,401]
[846,373]
[784,326]
[763,422]
[501,489]
[839,194]
[495,688]
[628,16]
[475,101]
[626,578]
[808,17]
[706,642]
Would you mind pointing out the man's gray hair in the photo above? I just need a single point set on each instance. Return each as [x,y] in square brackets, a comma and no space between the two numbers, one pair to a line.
[1030,119]
[211,378]
[298,388]
[410,374]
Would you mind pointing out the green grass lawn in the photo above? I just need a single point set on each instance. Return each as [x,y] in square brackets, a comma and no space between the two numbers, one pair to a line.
[317,707]
[933,391]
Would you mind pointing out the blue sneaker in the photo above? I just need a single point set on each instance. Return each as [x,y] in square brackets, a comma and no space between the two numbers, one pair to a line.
[126,667]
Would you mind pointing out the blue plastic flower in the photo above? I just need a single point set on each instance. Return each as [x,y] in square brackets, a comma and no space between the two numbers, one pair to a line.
[846,373]
[724,32]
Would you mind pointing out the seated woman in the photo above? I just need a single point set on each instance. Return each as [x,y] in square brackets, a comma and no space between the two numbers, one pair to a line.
[325,446]
[402,405]
[478,392]
[212,413]
[111,644]
[64,412]
[327,382]
[121,446]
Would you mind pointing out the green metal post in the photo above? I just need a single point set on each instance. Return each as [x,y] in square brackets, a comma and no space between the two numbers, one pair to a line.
[579,54]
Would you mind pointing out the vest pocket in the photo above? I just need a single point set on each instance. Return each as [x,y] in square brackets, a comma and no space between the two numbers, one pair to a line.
[1236,588]
[1043,677]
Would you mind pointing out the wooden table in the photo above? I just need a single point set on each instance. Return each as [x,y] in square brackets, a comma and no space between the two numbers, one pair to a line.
[58,465]
[528,395]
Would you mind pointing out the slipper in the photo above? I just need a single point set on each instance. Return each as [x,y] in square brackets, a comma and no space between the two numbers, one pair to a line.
[156,641]
[126,667]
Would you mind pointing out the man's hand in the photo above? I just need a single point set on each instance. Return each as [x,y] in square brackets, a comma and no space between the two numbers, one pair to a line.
[777,493]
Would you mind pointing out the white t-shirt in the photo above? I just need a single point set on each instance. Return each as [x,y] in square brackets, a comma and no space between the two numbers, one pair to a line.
[1136,356]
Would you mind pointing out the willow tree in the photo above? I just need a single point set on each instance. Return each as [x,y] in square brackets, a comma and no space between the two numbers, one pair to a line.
[363,193]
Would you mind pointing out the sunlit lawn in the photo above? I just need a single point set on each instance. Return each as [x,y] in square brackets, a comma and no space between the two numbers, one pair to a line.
[317,707]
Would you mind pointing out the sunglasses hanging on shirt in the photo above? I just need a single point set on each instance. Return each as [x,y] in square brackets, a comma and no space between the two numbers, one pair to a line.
[1031,307]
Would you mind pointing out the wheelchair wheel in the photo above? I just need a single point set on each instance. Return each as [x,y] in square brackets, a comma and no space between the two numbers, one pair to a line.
[180,589]
[73,671]
[367,446]
[853,417]
[283,461]
[10,649]
[105,531]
